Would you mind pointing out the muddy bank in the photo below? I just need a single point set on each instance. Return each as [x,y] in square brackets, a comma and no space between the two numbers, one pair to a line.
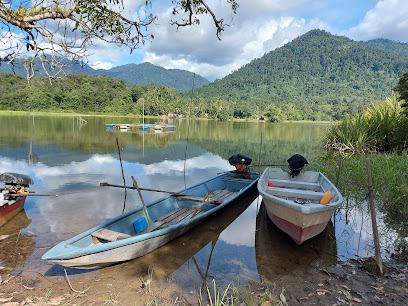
[346,284]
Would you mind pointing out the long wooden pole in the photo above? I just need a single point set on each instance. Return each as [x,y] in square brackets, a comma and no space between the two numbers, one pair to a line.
[374,220]
[30,195]
[105,184]
[267,165]
[123,176]
[141,198]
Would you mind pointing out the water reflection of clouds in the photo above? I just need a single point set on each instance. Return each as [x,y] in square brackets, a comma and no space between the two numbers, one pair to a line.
[354,233]
[241,232]
[203,162]
[82,203]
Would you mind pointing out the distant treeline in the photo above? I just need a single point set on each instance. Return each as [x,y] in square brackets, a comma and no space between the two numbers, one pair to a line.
[82,93]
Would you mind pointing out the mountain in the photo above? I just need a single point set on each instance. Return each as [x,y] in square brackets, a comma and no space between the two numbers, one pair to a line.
[146,73]
[317,68]
[388,45]
[133,74]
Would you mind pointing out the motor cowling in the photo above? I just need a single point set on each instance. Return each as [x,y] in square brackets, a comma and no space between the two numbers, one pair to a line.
[241,162]
[296,164]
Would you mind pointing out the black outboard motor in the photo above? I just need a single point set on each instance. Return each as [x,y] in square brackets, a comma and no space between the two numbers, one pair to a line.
[240,162]
[296,164]
[16,183]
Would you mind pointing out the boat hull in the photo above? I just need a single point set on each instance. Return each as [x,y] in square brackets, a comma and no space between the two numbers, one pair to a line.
[8,211]
[122,253]
[300,233]
[83,251]
[293,203]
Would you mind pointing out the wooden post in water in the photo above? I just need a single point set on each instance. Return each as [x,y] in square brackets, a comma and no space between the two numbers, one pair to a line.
[374,221]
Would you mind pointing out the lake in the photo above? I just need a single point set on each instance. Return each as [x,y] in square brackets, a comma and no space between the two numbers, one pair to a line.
[69,158]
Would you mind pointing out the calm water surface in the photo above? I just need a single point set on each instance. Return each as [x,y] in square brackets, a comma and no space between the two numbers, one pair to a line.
[70,159]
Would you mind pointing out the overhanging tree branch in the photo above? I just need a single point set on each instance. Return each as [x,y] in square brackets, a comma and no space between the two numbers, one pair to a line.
[60,32]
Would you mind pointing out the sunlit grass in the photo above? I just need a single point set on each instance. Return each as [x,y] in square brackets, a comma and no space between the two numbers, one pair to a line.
[381,128]
[389,179]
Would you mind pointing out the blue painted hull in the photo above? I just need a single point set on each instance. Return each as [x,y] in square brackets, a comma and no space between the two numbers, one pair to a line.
[82,252]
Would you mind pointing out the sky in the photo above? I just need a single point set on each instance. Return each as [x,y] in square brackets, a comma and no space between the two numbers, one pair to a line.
[259,27]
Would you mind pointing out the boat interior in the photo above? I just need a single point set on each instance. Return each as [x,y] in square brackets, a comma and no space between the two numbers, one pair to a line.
[175,209]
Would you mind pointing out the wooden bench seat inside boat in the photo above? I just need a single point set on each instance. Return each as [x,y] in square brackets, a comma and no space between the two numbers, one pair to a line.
[215,197]
[295,193]
[243,179]
[296,184]
[173,217]
[108,235]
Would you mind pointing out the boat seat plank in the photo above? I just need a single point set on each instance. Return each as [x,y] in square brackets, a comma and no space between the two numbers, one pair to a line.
[172,214]
[296,184]
[216,197]
[295,193]
[226,195]
[186,215]
[108,235]
[239,179]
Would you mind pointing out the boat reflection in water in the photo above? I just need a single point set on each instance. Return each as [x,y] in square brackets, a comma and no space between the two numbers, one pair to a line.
[184,250]
[17,247]
[278,255]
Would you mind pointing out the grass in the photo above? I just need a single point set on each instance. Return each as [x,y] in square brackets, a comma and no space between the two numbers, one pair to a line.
[390,183]
[236,295]
[381,128]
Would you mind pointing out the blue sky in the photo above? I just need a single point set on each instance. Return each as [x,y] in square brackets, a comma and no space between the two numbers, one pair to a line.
[260,26]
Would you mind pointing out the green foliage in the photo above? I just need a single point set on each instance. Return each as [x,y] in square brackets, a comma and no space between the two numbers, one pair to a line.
[389,184]
[380,128]
[388,45]
[321,75]
[132,74]
[402,89]
[83,93]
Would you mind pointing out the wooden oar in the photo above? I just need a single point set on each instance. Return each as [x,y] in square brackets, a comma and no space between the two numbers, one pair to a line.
[141,198]
[29,195]
[203,201]
[104,184]
[267,165]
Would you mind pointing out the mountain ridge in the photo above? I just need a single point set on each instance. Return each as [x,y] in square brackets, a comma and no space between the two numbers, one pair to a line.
[134,74]
[315,67]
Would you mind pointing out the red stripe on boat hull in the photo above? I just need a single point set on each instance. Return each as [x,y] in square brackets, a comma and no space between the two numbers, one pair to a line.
[297,233]
[9,211]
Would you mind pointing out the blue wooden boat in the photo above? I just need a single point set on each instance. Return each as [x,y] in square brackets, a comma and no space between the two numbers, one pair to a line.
[124,237]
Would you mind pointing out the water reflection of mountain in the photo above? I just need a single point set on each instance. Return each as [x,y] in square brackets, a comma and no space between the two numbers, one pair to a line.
[54,156]
[17,247]
[277,255]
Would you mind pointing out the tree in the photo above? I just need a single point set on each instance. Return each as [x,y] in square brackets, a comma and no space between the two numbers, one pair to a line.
[59,32]
[402,89]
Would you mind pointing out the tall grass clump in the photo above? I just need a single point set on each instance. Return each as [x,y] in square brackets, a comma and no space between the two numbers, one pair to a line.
[389,179]
[381,128]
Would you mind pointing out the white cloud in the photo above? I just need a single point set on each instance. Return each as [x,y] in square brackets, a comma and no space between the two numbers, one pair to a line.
[197,49]
[102,65]
[388,19]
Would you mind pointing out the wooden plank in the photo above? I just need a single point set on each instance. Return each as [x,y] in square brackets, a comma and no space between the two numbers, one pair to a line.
[239,179]
[296,184]
[175,212]
[180,218]
[296,193]
[227,196]
[109,235]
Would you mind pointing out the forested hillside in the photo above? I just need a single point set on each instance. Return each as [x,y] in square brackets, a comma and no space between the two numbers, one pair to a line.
[388,45]
[146,73]
[316,72]
[132,74]
[84,93]
[317,76]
